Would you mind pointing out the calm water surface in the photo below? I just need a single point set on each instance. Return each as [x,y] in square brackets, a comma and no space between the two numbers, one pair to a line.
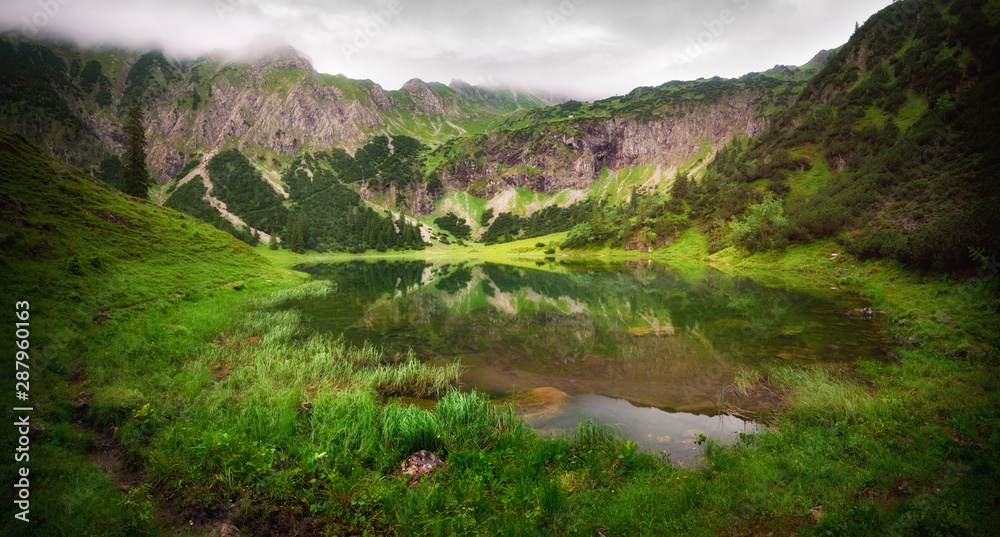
[636,345]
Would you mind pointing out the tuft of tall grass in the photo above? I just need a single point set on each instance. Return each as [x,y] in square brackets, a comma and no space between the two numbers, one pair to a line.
[593,434]
[349,422]
[407,429]
[816,396]
[471,417]
[746,379]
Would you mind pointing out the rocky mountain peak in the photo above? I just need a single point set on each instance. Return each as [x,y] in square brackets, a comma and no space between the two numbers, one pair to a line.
[423,99]
[285,57]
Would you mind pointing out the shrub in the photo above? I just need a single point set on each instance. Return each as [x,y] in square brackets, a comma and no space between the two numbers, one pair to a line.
[73,265]
[763,228]
[487,215]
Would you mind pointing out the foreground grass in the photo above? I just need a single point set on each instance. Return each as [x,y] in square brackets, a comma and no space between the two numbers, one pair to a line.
[906,446]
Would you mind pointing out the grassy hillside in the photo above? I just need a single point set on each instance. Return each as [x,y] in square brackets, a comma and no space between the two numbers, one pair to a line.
[86,256]
[83,247]
[887,148]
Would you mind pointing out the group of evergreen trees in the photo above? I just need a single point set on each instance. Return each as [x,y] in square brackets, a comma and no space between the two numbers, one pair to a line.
[241,186]
[382,164]
[189,198]
[553,219]
[322,212]
[328,215]
[454,225]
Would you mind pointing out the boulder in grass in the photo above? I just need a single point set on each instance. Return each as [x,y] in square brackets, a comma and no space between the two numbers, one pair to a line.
[420,464]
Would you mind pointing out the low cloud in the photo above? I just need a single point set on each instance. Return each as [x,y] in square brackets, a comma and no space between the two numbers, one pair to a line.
[585,48]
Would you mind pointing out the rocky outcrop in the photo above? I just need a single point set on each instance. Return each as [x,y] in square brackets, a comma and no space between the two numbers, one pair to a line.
[423,100]
[283,122]
[549,160]
[419,200]
[272,102]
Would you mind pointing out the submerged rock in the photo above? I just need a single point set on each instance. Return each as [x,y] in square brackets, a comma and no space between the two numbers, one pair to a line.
[420,464]
[541,402]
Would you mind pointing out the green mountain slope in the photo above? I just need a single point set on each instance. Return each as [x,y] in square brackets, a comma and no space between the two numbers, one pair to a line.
[889,144]
[82,250]
[273,106]
[88,259]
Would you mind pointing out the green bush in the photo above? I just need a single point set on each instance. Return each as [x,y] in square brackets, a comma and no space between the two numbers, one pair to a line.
[764,227]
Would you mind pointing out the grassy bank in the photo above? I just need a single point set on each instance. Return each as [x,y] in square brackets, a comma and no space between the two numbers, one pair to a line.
[904,445]
[894,447]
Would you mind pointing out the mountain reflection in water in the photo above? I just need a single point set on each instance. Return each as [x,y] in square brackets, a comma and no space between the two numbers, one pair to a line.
[604,335]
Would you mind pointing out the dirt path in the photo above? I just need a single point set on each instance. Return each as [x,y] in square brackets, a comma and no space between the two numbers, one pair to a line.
[127,476]
[273,178]
[201,170]
[221,207]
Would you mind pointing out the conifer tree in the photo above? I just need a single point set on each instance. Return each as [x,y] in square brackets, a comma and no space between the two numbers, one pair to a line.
[681,187]
[295,233]
[135,177]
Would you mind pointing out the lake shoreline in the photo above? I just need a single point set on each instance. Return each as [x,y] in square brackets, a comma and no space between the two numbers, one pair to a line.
[877,445]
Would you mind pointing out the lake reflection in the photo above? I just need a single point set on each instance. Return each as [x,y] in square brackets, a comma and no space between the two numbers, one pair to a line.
[638,333]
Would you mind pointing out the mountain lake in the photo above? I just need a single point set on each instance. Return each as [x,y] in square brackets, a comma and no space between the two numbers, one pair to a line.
[636,345]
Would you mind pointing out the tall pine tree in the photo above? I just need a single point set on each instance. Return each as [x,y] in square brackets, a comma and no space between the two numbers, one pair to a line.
[295,233]
[682,186]
[135,177]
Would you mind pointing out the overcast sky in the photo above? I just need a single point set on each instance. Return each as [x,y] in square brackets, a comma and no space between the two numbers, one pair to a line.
[583,48]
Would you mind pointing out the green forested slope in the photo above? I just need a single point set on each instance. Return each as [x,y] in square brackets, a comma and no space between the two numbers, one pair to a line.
[890,147]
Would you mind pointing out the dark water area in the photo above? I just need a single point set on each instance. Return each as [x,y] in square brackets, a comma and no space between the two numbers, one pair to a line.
[637,346]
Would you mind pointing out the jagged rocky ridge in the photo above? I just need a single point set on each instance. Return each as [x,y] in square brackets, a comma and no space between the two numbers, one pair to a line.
[551,159]
[273,104]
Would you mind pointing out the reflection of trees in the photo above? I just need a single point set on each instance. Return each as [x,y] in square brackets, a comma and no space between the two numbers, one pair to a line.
[455,281]
[641,319]
[765,309]
[367,282]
